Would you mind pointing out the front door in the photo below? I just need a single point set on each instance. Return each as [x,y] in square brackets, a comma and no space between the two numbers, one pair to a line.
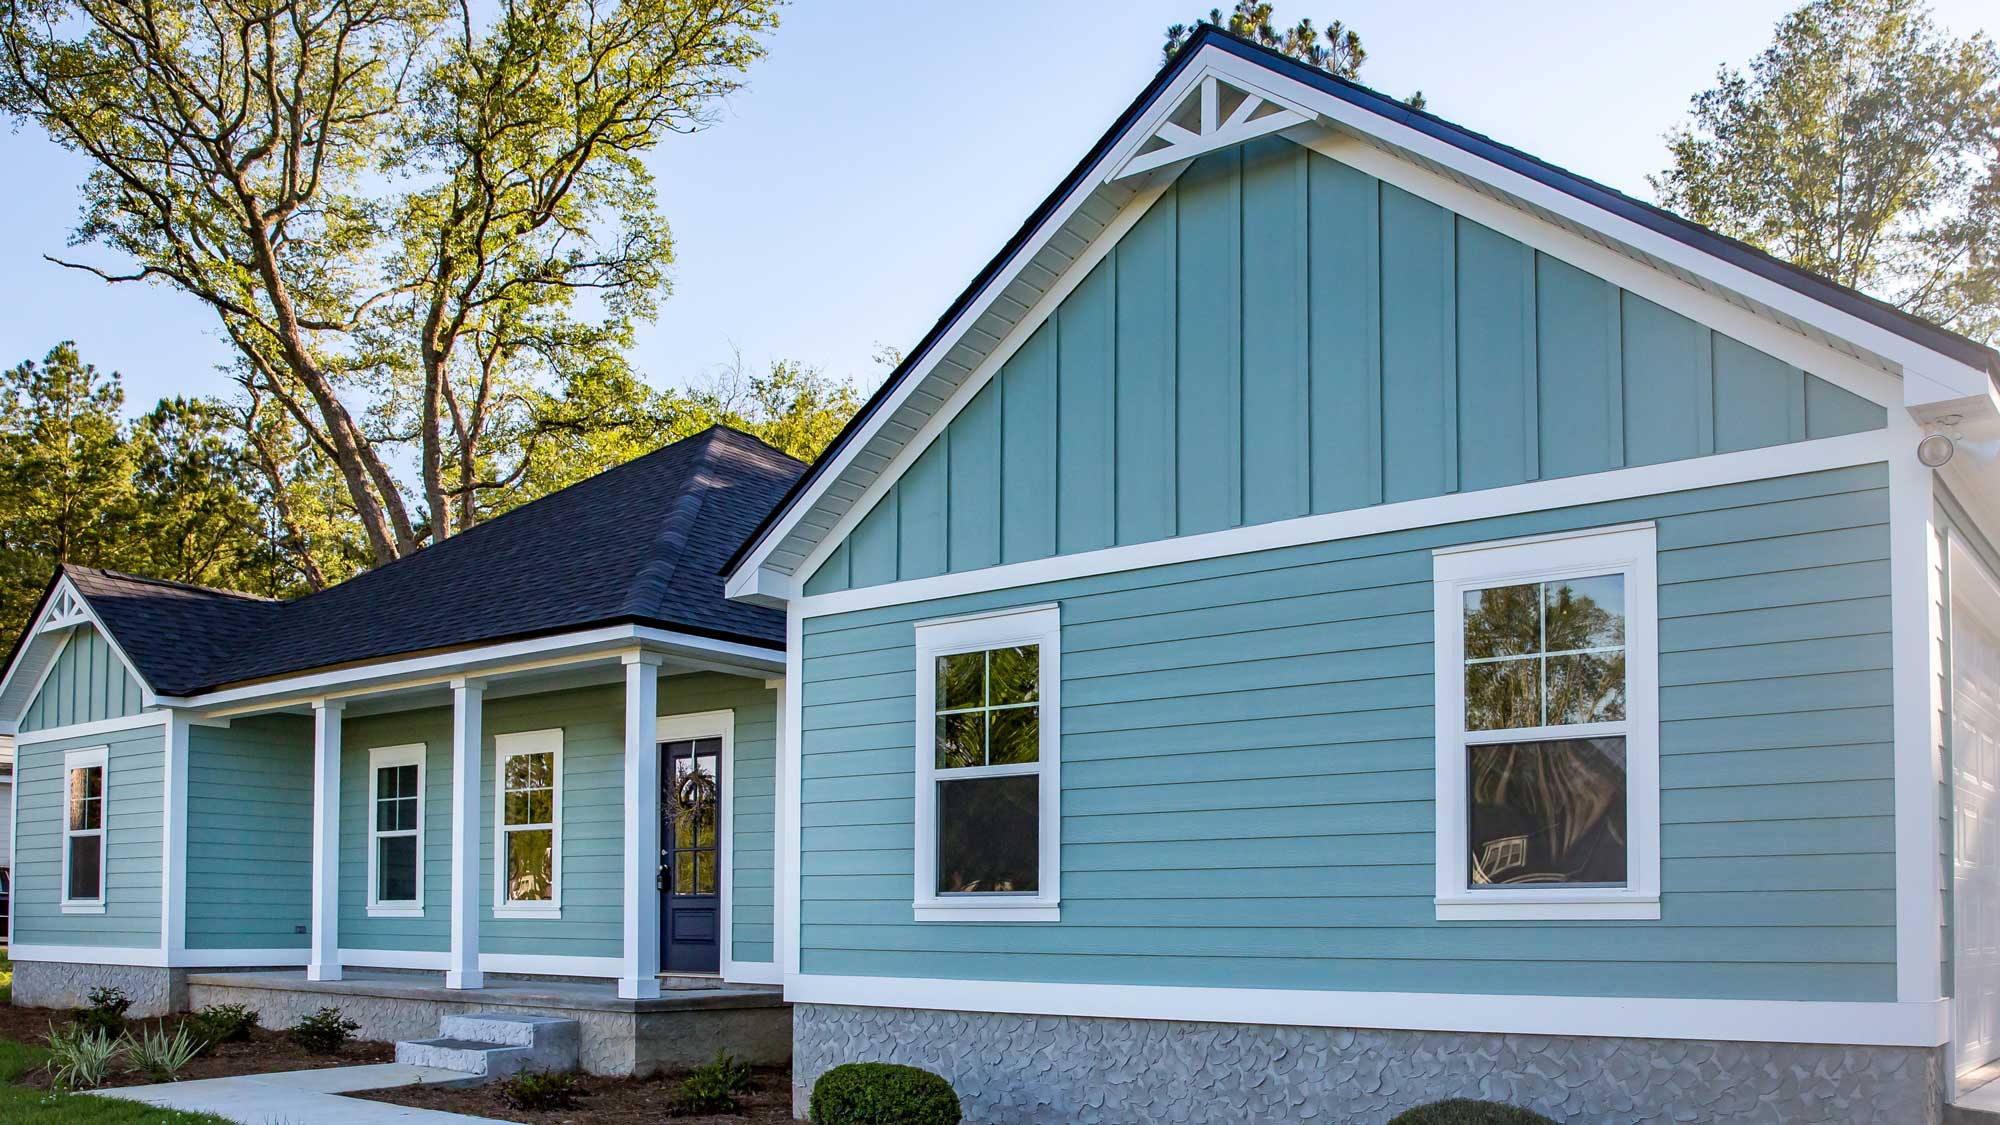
[1975,759]
[691,855]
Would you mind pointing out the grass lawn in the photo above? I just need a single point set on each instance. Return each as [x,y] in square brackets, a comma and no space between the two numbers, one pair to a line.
[20,1105]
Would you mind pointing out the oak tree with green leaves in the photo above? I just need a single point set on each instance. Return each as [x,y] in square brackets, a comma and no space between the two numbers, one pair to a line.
[1862,144]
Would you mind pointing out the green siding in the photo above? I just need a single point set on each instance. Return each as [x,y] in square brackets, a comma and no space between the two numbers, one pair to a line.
[135,763]
[1281,334]
[753,808]
[1248,771]
[88,683]
[249,840]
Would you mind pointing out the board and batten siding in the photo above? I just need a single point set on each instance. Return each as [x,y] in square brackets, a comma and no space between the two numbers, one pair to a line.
[134,771]
[1247,772]
[1281,335]
[592,720]
[88,683]
[249,834]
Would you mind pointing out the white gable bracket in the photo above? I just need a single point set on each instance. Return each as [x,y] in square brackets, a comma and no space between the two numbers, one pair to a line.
[1205,113]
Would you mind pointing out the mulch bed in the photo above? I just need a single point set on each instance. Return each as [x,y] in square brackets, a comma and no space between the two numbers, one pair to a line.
[264,1052]
[607,1101]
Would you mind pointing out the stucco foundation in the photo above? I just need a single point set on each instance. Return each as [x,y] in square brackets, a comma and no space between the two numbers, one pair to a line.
[618,1037]
[1027,1070]
[54,984]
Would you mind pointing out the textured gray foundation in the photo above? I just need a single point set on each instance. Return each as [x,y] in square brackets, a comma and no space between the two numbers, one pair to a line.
[51,984]
[1028,1070]
[617,1037]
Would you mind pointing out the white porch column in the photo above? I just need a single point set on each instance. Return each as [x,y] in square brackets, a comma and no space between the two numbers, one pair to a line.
[323,963]
[640,979]
[468,699]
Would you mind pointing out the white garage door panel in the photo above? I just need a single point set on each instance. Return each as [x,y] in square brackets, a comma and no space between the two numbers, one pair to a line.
[1975,749]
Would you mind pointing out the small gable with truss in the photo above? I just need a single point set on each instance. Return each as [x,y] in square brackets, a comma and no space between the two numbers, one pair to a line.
[68,669]
[1281,334]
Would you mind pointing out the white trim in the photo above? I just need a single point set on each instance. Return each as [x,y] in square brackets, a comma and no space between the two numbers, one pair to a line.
[447,668]
[782,861]
[516,745]
[89,757]
[1919,769]
[526,964]
[1039,625]
[150,955]
[721,724]
[91,729]
[1563,492]
[174,837]
[1631,551]
[379,759]
[790,840]
[323,963]
[468,761]
[1883,1023]
[639,974]
[241,958]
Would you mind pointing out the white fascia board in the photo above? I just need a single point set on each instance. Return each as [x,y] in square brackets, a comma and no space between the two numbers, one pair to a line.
[762,585]
[1851,1022]
[485,660]
[1951,377]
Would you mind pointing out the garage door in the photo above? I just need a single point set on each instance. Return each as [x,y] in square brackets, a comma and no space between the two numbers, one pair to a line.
[1975,749]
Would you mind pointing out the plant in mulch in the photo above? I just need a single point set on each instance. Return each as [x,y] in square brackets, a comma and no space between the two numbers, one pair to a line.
[883,1094]
[542,1089]
[1466,1111]
[713,1086]
[220,1023]
[324,1032]
[106,1012]
[79,1057]
[159,1055]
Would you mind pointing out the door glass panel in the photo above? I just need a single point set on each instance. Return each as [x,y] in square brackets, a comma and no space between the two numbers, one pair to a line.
[691,805]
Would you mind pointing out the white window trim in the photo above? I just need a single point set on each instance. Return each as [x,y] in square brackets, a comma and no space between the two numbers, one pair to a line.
[379,759]
[77,760]
[506,746]
[1037,625]
[1627,549]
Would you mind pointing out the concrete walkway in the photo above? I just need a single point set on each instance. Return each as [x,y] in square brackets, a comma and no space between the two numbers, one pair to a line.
[303,1097]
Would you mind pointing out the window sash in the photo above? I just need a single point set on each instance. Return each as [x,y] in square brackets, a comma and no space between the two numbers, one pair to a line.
[387,760]
[507,749]
[79,767]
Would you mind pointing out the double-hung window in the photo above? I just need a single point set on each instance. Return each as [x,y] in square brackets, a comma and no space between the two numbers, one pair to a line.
[989,767]
[1547,727]
[396,831]
[527,846]
[83,856]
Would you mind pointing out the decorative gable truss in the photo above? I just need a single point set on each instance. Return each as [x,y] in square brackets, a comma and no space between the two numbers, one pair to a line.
[66,610]
[1212,113]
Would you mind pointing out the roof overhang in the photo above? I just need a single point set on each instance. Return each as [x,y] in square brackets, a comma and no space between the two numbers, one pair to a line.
[62,610]
[1221,91]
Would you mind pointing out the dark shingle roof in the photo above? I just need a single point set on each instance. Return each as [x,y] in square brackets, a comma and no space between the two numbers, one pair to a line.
[643,543]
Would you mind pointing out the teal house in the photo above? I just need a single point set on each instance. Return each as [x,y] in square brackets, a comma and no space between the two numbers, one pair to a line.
[531,767]
[1341,614]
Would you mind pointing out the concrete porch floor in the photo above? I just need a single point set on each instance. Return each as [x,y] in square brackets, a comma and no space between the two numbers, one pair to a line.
[682,1028]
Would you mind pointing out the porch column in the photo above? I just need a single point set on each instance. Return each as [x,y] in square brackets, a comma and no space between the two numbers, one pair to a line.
[468,699]
[323,963]
[640,979]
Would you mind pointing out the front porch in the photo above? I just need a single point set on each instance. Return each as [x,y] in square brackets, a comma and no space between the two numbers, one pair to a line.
[678,1029]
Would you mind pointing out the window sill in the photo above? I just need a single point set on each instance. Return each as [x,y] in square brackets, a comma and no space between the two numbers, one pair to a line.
[83,908]
[386,911]
[1554,908]
[547,910]
[1001,910]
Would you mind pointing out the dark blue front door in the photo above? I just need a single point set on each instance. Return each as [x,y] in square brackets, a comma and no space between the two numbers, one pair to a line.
[691,855]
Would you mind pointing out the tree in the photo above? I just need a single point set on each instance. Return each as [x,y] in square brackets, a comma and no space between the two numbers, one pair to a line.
[389,208]
[1863,144]
[192,521]
[1337,50]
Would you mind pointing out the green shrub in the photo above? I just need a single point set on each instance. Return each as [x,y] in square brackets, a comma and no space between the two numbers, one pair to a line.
[325,1031]
[1465,1111]
[79,1057]
[712,1087]
[161,1055]
[220,1023]
[882,1094]
[542,1089]
[106,1012]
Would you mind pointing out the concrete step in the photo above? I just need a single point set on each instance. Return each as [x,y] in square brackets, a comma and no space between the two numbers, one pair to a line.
[494,1045]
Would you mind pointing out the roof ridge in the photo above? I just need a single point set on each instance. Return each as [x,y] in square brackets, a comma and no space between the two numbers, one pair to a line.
[649,585]
[128,576]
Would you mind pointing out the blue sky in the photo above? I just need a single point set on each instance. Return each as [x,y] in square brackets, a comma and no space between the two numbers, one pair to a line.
[884,150]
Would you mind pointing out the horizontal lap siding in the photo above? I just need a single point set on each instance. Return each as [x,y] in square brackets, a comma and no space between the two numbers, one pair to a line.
[249,877]
[135,763]
[752,804]
[89,683]
[1248,771]
[431,933]
[1281,334]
